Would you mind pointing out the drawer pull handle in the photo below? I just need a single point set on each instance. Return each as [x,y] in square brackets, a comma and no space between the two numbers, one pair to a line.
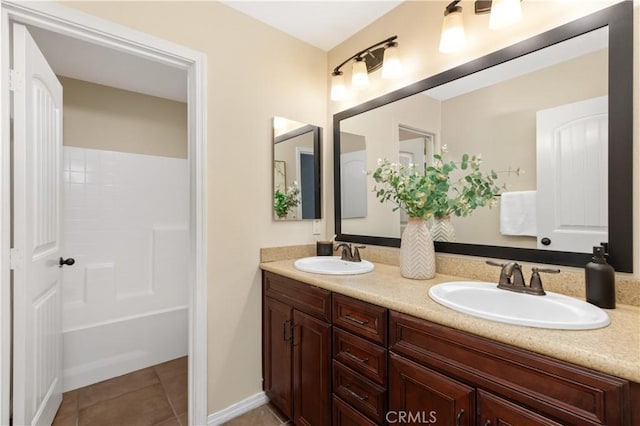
[356,320]
[459,417]
[355,395]
[352,356]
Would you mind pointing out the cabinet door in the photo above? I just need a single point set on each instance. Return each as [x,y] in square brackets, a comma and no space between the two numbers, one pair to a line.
[276,336]
[419,395]
[311,370]
[496,411]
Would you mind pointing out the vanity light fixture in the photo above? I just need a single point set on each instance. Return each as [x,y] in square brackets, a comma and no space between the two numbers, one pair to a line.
[383,54]
[503,14]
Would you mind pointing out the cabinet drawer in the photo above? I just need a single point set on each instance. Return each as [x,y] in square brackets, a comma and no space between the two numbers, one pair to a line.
[306,298]
[346,415]
[360,318]
[568,393]
[360,355]
[363,394]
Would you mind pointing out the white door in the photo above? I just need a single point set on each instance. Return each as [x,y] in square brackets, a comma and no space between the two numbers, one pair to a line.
[353,177]
[37,337]
[572,163]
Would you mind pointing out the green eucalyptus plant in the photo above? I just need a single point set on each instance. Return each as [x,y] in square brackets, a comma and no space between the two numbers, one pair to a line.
[435,191]
[284,201]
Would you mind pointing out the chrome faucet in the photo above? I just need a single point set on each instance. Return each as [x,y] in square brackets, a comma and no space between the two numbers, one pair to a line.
[512,270]
[348,254]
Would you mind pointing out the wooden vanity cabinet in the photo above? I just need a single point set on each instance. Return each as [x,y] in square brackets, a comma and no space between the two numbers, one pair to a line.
[297,349]
[329,359]
[512,386]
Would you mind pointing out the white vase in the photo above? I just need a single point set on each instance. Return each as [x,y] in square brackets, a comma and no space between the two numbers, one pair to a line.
[442,229]
[417,255]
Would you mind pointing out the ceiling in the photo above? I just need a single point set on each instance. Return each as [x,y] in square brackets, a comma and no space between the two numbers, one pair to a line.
[74,58]
[323,24]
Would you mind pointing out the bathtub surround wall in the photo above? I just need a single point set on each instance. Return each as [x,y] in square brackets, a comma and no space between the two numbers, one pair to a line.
[125,222]
[125,299]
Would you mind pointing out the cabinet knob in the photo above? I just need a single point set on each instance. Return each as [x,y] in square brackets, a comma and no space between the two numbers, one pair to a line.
[459,416]
[487,423]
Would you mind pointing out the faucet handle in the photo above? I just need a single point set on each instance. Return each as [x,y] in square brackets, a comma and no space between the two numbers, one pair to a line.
[356,253]
[535,285]
[494,263]
[505,277]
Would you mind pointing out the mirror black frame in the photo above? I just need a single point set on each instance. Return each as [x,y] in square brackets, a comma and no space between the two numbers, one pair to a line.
[619,19]
[317,162]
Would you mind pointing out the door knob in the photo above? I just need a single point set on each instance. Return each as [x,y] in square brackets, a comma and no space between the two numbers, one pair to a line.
[69,261]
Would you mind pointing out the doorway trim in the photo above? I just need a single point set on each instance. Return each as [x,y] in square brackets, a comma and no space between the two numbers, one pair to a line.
[73,23]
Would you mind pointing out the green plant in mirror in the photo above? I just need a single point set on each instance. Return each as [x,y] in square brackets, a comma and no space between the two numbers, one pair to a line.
[284,201]
[442,189]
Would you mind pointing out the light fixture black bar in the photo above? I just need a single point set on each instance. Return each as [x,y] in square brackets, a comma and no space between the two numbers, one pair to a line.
[451,7]
[482,6]
[336,70]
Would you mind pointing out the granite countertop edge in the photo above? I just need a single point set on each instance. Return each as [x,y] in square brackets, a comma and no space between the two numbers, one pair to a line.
[614,349]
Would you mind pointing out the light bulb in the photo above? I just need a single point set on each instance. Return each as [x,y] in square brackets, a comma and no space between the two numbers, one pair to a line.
[338,88]
[452,37]
[359,75]
[504,13]
[391,66]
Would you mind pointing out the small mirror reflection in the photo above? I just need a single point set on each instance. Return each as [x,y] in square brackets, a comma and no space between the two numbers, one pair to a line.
[296,174]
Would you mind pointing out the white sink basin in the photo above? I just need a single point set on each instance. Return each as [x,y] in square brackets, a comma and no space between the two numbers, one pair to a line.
[485,300]
[332,265]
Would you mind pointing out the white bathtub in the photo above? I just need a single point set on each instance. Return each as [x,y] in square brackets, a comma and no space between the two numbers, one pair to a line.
[101,351]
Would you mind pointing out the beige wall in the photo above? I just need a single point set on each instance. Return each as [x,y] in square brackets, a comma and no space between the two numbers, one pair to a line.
[254,73]
[418,24]
[101,117]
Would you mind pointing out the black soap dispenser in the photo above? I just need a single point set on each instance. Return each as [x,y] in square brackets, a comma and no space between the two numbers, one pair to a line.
[600,280]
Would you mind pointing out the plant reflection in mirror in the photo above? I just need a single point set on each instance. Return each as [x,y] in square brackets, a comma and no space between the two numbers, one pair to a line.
[435,191]
[284,201]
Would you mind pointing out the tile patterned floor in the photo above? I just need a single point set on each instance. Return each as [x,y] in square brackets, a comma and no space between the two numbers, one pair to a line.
[265,415]
[154,396]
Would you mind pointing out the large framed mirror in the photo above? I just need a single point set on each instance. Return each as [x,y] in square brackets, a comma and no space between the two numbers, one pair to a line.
[558,106]
[296,170]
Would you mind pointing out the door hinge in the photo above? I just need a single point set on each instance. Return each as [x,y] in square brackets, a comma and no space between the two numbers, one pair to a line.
[16,80]
[15,258]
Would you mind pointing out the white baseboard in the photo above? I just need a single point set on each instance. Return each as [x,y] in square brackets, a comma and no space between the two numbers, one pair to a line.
[237,409]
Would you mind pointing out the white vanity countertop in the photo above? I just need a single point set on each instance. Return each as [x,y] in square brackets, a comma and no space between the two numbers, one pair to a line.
[614,349]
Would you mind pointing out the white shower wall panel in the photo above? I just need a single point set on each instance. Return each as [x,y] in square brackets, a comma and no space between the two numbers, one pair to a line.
[125,221]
